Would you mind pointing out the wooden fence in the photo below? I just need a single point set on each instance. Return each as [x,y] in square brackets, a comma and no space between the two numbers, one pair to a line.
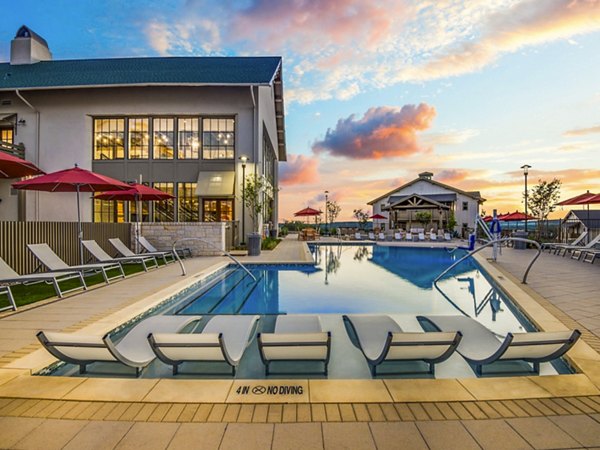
[60,236]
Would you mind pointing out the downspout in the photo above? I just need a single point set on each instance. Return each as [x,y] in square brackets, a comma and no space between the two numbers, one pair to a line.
[37,147]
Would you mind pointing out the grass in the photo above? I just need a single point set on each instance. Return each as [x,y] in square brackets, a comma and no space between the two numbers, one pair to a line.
[32,293]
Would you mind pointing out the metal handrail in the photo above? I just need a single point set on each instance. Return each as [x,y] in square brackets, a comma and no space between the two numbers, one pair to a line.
[497,241]
[210,244]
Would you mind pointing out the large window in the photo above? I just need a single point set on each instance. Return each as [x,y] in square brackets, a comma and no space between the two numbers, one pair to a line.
[164,211]
[217,210]
[7,135]
[164,137]
[109,138]
[218,138]
[187,203]
[139,138]
[188,138]
[109,211]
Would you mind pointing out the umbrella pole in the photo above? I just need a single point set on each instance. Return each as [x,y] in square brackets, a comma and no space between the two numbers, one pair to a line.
[138,224]
[79,230]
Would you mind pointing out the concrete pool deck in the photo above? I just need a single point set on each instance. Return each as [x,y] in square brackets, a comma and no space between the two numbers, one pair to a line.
[518,412]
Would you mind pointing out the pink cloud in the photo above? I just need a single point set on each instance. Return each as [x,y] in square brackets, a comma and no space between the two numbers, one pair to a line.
[382,132]
[299,169]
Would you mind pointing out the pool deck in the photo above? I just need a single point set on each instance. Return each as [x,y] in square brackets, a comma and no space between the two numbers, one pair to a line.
[517,412]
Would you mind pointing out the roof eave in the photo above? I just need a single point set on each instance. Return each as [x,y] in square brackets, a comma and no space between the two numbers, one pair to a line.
[120,85]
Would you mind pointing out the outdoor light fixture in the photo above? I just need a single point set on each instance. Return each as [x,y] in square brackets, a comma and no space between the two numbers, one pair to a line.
[525,168]
[326,207]
[244,160]
[22,122]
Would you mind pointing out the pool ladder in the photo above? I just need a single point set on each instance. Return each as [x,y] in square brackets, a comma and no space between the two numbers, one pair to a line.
[210,244]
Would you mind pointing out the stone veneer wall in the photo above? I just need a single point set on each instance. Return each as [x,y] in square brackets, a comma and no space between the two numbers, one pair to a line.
[163,235]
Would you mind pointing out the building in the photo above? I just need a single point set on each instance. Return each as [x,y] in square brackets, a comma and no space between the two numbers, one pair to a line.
[177,124]
[404,206]
[578,221]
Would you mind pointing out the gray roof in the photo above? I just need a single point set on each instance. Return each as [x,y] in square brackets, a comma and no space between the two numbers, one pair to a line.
[435,197]
[591,217]
[140,71]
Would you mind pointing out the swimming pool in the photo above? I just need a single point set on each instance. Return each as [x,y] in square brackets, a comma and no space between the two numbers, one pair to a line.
[347,279]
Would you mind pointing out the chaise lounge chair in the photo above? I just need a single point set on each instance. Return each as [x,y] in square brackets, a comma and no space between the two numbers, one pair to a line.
[358,236]
[432,236]
[409,236]
[564,249]
[371,236]
[182,252]
[133,350]
[52,261]
[223,339]
[421,236]
[552,245]
[398,236]
[125,251]
[98,252]
[481,347]
[296,338]
[447,237]
[8,276]
[381,339]
[381,236]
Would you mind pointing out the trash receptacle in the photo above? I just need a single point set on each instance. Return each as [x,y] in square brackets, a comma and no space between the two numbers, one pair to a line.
[254,242]
[520,245]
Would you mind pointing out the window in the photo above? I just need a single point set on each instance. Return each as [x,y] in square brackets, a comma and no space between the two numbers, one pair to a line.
[187,202]
[7,135]
[109,211]
[465,206]
[217,210]
[164,211]
[139,138]
[269,160]
[218,138]
[109,138]
[163,138]
[188,138]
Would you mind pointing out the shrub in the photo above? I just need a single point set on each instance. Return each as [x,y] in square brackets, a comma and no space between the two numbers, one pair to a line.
[269,243]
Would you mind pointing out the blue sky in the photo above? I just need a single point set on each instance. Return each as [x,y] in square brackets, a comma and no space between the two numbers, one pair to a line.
[378,91]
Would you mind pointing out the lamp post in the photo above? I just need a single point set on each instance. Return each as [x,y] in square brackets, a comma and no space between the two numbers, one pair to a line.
[243,159]
[326,205]
[525,168]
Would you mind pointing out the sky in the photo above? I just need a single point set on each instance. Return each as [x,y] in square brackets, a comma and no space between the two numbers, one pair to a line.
[377,92]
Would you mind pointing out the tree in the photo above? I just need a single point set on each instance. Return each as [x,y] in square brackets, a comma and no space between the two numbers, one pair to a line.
[542,199]
[333,210]
[253,197]
[362,217]
[424,217]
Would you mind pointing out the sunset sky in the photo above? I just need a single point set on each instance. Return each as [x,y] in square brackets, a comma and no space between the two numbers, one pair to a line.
[378,91]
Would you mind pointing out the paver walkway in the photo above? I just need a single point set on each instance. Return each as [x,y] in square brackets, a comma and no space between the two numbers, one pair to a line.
[569,288]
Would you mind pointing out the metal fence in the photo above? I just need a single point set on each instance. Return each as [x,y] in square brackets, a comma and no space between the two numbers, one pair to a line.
[60,236]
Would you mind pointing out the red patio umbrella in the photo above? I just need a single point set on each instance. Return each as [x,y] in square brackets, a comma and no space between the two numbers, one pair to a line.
[515,217]
[13,167]
[308,212]
[577,199]
[378,217]
[72,180]
[589,200]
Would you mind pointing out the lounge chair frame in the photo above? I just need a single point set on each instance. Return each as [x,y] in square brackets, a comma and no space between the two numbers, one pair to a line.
[98,252]
[120,247]
[149,248]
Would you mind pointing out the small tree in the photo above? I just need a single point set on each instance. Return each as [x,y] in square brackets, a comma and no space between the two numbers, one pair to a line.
[451,221]
[542,199]
[333,210]
[253,198]
[362,218]
[424,217]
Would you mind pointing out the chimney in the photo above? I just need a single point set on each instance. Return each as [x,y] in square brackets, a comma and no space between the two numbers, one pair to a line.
[426,175]
[28,48]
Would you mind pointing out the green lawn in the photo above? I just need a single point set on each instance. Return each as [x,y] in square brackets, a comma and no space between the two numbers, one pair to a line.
[26,294]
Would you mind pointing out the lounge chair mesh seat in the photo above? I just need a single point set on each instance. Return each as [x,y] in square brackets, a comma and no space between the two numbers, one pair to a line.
[52,261]
[98,252]
[183,252]
[125,251]
[133,350]
[223,339]
[480,346]
[296,338]
[380,339]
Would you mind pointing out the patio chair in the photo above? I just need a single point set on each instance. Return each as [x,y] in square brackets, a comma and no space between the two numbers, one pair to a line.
[564,249]
[132,351]
[371,236]
[381,236]
[358,236]
[398,236]
[8,277]
[552,245]
[124,250]
[421,236]
[98,252]
[432,236]
[381,339]
[296,338]
[481,347]
[447,237]
[409,236]
[52,261]
[223,339]
[148,247]
[589,256]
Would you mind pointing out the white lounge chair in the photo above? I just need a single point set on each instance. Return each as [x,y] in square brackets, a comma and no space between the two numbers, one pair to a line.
[564,249]
[381,236]
[481,347]
[133,350]
[358,236]
[432,236]
[98,252]
[421,236]
[296,338]
[8,277]
[398,236]
[125,251]
[52,261]
[371,235]
[223,339]
[409,236]
[552,245]
[381,339]
[447,237]
[146,245]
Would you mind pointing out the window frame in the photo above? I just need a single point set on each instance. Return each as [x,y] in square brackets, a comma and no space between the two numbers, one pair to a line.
[125,137]
[233,132]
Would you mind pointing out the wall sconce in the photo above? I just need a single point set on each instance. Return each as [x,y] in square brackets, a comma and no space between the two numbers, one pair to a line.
[22,122]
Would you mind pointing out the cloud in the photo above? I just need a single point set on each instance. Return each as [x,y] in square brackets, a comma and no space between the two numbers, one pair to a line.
[299,169]
[452,137]
[382,132]
[450,176]
[582,131]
